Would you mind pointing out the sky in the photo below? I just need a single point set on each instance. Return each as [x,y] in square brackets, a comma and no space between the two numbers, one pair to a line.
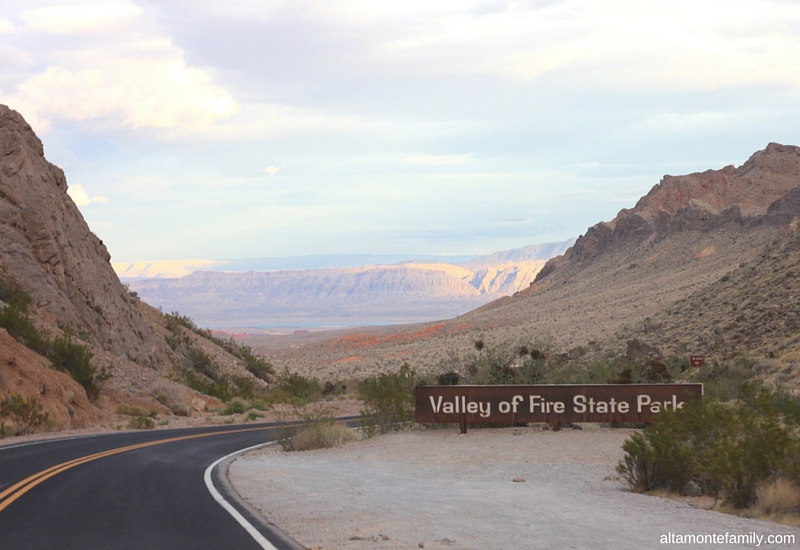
[258,128]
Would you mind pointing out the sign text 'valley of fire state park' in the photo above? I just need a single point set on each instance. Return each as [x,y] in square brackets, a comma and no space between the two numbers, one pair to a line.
[558,403]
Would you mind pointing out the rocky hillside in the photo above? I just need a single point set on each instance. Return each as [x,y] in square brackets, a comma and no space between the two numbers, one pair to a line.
[708,201]
[61,298]
[754,307]
[47,246]
[622,277]
[407,292]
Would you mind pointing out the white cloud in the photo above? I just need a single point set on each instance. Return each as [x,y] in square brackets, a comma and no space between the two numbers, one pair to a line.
[79,18]
[614,44]
[135,77]
[272,170]
[438,160]
[81,197]
[6,26]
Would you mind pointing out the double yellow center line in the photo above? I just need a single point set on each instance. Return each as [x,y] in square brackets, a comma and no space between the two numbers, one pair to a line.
[11,494]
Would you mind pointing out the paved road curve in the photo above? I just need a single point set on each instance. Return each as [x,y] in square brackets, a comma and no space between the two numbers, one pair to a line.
[149,497]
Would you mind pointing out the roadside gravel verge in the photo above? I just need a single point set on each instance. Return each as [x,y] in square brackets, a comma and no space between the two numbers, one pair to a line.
[437,489]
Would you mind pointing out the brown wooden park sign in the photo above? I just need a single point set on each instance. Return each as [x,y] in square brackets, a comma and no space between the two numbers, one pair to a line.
[557,403]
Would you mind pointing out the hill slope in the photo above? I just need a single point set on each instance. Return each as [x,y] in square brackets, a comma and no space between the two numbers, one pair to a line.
[687,233]
[64,299]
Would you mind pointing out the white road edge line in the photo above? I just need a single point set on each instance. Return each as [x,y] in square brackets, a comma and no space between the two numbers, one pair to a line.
[259,538]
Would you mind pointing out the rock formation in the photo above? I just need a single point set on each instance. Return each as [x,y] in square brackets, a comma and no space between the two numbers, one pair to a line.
[762,190]
[46,245]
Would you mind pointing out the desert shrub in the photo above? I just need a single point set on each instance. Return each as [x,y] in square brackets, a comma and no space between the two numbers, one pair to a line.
[22,329]
[12,293]
[725,380]
[141,423]
[5,430]
[75,359]
[63,352]
[257,366]
[504,363]
[133,410]
[778,496]
[728,448]
[176,320]
[322,435]
[201,362]
[449,378]
[298,388]
[220,388]
[236,406]
[388,400]
[297,418]
[26,414]
[253,415]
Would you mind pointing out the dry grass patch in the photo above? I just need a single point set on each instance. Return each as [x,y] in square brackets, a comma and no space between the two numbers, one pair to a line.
[778,496]
[322,435]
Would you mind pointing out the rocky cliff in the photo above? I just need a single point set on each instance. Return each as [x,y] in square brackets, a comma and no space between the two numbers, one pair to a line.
[46,245]
[759,191]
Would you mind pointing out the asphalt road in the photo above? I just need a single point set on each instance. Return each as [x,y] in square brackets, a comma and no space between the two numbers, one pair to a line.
[152,496]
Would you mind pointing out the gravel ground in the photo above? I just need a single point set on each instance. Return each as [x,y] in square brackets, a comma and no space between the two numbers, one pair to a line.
[437,489]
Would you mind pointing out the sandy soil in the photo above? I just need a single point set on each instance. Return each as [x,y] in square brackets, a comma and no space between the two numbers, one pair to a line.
[438,489]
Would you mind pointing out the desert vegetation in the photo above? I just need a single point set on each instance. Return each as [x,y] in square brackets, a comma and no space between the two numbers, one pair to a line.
[26,415]
[313,426]
[388,400]
[745,450]
[63,351]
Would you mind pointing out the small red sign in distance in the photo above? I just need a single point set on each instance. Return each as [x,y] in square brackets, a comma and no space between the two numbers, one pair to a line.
[697,360]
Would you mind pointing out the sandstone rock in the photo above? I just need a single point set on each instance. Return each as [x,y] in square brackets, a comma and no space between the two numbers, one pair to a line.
[48,248]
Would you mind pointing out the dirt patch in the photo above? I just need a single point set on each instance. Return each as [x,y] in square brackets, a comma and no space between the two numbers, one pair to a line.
[438,489]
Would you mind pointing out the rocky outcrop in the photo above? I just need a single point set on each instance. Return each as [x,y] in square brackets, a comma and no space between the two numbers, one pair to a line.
[46,245]
[765,189]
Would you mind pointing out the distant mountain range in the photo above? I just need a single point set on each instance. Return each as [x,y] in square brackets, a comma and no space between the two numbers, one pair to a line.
[170,269]
[407,290]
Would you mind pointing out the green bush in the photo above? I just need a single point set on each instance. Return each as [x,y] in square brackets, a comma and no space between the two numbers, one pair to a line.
[388,400]
[141,423]
[201,362]
[236,406]
[26,414]
[75,359]
[729,448]
[257,366]
[253,415]
[298,387]
[12,293]
[133,410]
[504,363]
[66,355]
[220,388]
